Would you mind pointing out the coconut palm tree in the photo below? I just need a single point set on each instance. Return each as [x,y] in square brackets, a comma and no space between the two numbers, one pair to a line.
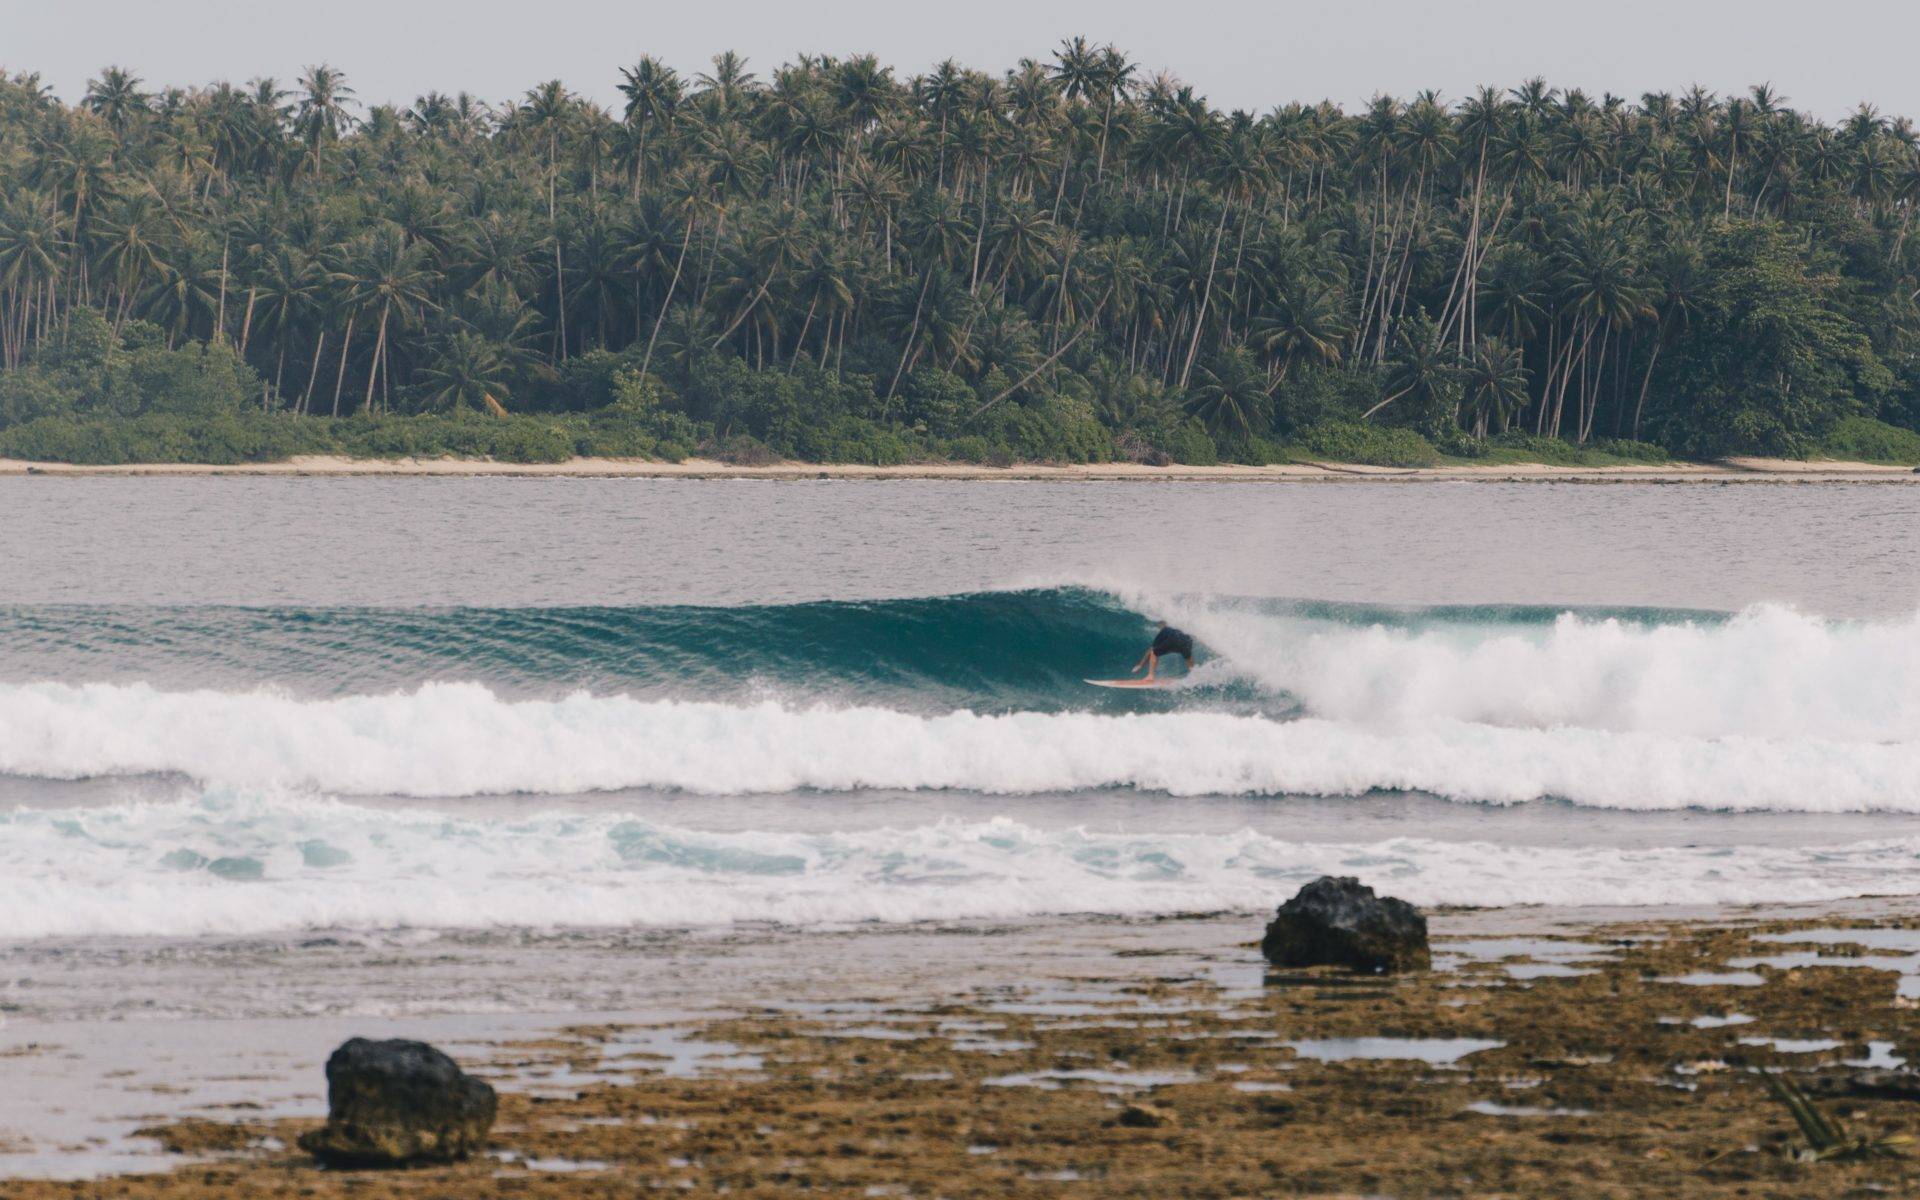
[654,93]
[1422,377]
[1230,396]
[465,370]
[116,97]
[290,287]
[1495,380]
[388,278]
[323,114]
[546,113]
[33,251]
[1303,324]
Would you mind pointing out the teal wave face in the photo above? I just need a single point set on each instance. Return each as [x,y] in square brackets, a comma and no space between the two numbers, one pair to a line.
[996,651]
[1026,650]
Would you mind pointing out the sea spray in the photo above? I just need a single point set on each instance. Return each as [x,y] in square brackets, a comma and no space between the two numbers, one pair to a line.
[1766,672]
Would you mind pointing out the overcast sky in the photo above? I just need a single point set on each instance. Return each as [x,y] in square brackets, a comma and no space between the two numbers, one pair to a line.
[1825,57]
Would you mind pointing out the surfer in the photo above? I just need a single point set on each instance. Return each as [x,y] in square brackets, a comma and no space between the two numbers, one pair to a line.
[1167,641]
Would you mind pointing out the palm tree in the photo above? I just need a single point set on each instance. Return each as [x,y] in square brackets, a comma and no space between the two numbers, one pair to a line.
[1237,173]
[388,276]
[547,112]
[290,287]
[1231,395]
[654,94]
[75,165]
[863,92]
[1495,378]
[1422,377]
[826,280]
[184,298]
[1678,276]
[1603,295]
[32,255]
[724,90]
[127,249]
[1063,220]
[466,371]
[116,97]
[1738,120]
[322,115]
[1303,324]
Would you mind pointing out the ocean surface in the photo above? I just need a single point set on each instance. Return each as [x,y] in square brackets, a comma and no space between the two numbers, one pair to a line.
[274,707]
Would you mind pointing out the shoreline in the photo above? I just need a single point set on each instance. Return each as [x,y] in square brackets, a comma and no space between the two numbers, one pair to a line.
[1579,1052]
[1732,470]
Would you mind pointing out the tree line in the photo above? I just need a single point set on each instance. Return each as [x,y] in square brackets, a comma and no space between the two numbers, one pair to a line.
[1069,259]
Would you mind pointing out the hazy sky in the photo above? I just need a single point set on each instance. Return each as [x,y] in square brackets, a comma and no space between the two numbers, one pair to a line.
[1241,53]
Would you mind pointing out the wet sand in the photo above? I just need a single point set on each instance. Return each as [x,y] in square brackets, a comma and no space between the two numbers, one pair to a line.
[1606,1053]
[1743,470]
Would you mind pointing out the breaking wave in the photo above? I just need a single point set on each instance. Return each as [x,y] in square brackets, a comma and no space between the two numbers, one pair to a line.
[1635,709]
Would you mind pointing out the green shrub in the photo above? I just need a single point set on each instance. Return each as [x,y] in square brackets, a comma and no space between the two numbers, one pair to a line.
[848,439]
[1863,439]
[222,439]
[1057,430]
[529,440]
[1254,451]
[969,449]
[1316,395]
[1645,452]
[1187,442]
[1369,445]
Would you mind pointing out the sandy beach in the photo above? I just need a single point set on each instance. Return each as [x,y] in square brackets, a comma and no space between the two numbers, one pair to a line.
[1565,1052]
[1731,470]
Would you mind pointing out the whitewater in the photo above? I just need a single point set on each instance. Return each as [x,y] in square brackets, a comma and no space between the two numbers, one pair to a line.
[228,771]
[1766,710]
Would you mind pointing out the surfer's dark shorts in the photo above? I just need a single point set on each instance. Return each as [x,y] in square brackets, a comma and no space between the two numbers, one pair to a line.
[1172,641]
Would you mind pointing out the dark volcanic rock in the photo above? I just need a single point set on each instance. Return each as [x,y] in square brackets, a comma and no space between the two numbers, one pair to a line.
[1141,1115]
[399,1102]
[1340,922]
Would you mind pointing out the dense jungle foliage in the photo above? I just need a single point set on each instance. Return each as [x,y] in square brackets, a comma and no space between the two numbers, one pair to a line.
[1068,261]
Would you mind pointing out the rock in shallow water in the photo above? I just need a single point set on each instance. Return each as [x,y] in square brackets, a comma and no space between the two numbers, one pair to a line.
[1338,921]
[397,1102]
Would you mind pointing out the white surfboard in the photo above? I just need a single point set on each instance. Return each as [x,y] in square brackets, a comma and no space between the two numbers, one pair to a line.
[1146,684]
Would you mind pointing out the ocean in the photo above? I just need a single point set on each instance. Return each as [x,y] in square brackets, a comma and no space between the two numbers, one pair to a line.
[281,708]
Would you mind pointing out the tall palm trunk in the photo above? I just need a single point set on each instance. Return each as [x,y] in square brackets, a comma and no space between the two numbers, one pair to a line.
[1646,381]
[913,331]
[1206,297]
[313,373]
[340,378]
[553,226]
[379,355]
[646,359]
[246,322]
[800,342]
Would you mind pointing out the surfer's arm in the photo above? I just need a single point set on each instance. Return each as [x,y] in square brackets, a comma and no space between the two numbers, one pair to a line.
[1144,658]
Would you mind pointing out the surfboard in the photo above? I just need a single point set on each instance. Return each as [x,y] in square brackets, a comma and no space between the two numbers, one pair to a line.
[1146,684]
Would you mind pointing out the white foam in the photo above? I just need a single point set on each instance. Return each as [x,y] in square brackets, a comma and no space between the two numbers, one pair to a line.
[117,869]
[461,739]
[1769,672]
